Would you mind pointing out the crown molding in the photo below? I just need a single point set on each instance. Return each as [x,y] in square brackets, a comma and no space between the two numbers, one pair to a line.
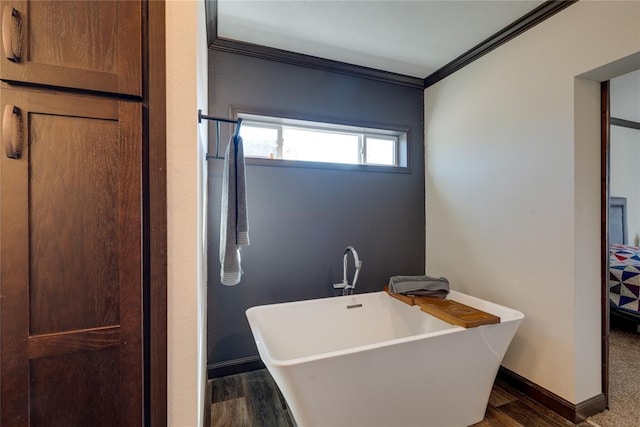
[533,18]
[222,44]
[528,21]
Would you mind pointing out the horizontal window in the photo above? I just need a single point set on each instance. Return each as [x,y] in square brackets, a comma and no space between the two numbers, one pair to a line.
[276,138]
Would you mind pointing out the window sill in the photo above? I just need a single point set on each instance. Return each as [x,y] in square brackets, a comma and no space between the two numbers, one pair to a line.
[326,165]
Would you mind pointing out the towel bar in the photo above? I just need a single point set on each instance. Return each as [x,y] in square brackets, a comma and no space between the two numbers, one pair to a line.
[218,120]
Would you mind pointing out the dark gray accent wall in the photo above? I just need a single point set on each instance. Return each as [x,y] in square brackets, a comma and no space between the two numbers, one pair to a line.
[301,219]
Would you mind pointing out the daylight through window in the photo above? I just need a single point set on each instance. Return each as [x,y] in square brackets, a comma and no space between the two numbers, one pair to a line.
[287,139]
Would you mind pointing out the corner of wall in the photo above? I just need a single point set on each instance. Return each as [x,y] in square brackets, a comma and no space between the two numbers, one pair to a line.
[587,310]
[201,93]
[519,175]
[186,365]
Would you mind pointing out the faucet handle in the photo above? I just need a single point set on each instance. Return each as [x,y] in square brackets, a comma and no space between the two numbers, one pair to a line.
[341,285]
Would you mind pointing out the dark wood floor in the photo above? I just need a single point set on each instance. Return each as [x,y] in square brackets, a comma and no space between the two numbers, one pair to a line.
[252,399]
[247,400]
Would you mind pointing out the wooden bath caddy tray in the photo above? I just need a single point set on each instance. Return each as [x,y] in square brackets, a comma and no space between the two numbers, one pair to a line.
[449,310]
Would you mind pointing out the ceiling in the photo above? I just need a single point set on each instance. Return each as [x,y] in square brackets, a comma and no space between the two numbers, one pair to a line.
[412,38]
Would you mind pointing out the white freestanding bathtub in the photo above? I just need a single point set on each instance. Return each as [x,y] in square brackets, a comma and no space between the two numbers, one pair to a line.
[383,363]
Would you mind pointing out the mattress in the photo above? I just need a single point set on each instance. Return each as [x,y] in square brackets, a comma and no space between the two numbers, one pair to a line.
[624,278]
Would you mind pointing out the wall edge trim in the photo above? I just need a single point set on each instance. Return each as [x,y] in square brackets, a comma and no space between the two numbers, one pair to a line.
[575,413]
[590,407]
[314,62]
[235,366]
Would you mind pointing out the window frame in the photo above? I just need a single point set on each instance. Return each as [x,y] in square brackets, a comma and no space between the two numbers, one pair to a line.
[400,134]
[396,148]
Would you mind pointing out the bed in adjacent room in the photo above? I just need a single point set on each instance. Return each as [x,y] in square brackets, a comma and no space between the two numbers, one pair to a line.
[624,265]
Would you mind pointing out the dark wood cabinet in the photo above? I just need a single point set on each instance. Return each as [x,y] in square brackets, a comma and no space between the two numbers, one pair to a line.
[72,216]
[92,45]
[71,260]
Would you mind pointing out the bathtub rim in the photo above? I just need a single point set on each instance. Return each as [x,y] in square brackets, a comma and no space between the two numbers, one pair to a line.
[266,357]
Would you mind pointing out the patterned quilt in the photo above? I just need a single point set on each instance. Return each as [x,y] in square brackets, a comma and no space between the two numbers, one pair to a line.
[624,278]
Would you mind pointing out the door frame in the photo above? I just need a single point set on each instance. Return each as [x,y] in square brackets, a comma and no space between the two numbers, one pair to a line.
[606,121]
[605,144]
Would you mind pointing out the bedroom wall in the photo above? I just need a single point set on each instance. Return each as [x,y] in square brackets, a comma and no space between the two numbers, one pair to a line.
[625,176]
[513,185]
[625,149]
[625,96]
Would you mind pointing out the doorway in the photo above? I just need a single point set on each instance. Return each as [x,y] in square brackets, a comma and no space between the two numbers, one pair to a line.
[620,240]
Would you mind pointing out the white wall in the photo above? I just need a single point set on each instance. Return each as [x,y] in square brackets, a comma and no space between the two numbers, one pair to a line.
[624,93]
[186,283]
[625,176]
[513,187]
[625,149]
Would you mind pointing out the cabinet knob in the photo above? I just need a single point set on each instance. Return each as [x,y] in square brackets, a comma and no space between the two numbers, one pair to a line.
[12,147]
[7,35]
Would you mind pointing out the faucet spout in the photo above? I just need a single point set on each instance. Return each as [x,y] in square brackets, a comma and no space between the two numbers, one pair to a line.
[347,289]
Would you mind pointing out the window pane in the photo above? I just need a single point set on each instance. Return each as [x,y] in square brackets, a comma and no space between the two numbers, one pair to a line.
[318,146]
[274,137]
[381,151]
[259,141]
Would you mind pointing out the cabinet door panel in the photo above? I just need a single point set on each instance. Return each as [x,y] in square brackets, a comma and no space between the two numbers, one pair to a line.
[88,390]
[60,236]
[71,261]
[94,45]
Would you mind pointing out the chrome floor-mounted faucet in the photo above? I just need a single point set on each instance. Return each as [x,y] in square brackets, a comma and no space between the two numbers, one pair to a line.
[347,289]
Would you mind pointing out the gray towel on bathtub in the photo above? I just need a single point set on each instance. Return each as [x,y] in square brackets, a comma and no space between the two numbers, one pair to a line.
[423,286]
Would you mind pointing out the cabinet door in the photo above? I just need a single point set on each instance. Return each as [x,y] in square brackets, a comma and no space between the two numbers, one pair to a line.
[70,260]
[94,45]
